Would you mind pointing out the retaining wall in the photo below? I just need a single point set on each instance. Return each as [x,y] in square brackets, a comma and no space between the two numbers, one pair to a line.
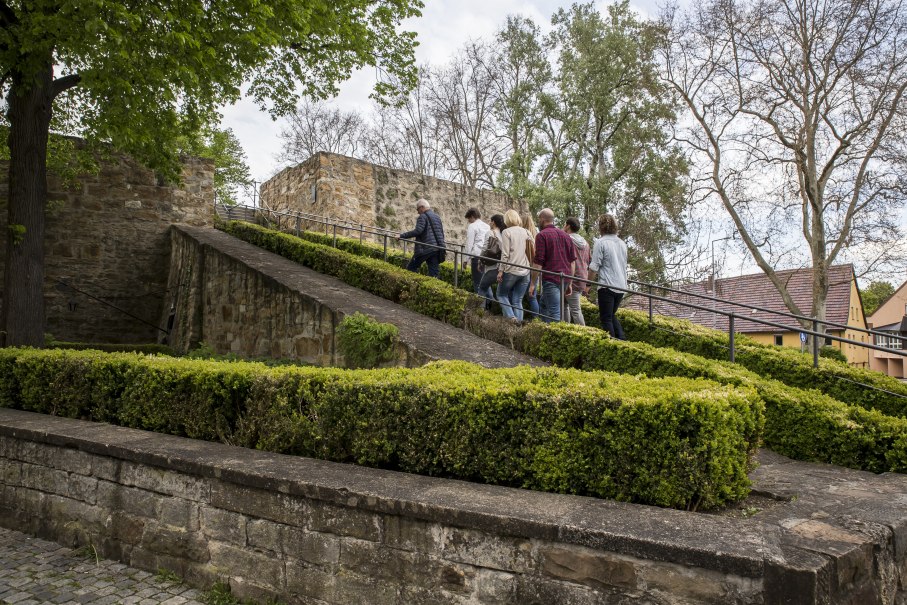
[309,531]
[107,237]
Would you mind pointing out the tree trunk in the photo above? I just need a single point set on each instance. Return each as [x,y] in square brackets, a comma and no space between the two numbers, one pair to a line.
[29,110]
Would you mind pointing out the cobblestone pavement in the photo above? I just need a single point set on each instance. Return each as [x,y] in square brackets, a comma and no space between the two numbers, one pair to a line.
[34,571]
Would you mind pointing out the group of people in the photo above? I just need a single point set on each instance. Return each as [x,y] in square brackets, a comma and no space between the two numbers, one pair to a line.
[511,260]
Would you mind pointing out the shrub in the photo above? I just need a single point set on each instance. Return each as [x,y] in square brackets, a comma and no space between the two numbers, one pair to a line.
[786,364]
[364,342]
[671,442]
[800,423]
[420,293]
[148,349]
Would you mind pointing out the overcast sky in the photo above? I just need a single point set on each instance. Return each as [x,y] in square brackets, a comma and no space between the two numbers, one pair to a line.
[444,27]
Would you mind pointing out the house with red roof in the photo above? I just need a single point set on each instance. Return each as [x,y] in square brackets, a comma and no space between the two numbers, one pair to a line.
[843,307]
[891,318]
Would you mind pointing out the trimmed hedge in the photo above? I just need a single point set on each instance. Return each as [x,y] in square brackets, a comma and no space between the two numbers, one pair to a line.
[802,424]
[148,349]
[425,295]
[670,442]
[395,257]
[785,364]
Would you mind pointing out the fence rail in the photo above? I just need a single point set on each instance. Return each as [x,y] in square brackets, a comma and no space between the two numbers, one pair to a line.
[641,288]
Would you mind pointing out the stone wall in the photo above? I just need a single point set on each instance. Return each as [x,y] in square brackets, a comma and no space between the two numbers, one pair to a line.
[356,191]
[308,531]
[107,237]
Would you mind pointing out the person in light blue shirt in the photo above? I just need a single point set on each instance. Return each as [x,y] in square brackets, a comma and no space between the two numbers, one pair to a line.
[609,262]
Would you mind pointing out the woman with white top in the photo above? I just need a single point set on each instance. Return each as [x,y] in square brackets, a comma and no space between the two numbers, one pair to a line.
[513,272]
[609,261]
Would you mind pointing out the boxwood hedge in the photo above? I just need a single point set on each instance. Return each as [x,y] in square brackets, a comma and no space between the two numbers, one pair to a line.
[800,423]
[428,296]
[839,380]
[671,442]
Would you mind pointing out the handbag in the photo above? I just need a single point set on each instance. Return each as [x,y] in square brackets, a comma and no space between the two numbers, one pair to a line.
[492,249]
[530,249]
[442,252]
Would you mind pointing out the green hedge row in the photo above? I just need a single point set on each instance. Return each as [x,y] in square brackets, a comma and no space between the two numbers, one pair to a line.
[785,364]
[802,424]
[670,442]
[425,295]
[394,256]
[148,349]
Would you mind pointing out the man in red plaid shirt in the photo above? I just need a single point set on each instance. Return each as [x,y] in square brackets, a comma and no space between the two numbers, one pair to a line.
[554,251]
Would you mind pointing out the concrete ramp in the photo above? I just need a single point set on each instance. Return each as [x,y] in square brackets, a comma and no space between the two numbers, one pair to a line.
[238,298]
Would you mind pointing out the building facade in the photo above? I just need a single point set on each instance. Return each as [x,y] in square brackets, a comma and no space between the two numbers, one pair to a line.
[891,318]
[843,307]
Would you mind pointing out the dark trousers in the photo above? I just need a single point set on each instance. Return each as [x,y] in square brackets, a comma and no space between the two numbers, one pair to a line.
[476,274]
[430,258]
[608,302]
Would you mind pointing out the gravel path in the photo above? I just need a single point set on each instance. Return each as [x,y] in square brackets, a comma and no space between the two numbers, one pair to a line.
[34,571]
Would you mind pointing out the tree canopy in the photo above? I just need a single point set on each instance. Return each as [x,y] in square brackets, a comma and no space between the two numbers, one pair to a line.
[140,75]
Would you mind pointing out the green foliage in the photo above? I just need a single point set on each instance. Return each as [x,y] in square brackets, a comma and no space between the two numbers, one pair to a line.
[147,349]
[670,442]
[230,169]
[829,352]
[365,343]
[421,293]
[874,295]
[785,364]
[16,233]
[801,423]
[152,72]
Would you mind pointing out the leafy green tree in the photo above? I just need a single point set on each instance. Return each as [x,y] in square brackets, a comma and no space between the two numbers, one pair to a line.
[615,118]
[231,172]
[140,75]
[874,295]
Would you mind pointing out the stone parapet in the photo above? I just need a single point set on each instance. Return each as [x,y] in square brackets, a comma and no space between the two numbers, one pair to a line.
[308,531]
[238,298]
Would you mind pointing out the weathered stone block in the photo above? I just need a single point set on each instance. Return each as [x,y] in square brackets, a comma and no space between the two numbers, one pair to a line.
[480,549]
[177,543]
[310,582]
[224,526]
[265,535]
[164,481]
[587,566]
[251,566]
[253,502]
[45,479]
[125,528]
[130,500]
[344,521]
[10,472]
[83,488]
[179,513]
[311,547]
[413,534]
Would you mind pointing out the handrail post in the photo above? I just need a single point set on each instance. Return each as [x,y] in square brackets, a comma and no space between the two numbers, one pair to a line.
[297,226]
[563,296]
[651,320]
[385,246]
[815,344]
[730,329]
[361,232]
[335,234]
[456,269]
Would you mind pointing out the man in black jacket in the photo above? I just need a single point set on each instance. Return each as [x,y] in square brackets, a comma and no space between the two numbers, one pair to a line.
[429,230]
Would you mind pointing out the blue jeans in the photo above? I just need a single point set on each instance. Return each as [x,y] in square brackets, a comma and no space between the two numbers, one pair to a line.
[608,301]
[430,258]
[510,295]
[533,299]
[551,302]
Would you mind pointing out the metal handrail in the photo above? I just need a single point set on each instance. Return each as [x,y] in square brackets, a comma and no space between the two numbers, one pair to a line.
[562,278]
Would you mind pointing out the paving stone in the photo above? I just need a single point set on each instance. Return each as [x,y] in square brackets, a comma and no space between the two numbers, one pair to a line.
[34,571]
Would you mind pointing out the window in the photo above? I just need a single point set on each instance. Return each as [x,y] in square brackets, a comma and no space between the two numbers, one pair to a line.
[779,339]
[889,342]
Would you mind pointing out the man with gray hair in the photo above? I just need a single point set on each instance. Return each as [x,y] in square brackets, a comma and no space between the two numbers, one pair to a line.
[430,231]
[554,252]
